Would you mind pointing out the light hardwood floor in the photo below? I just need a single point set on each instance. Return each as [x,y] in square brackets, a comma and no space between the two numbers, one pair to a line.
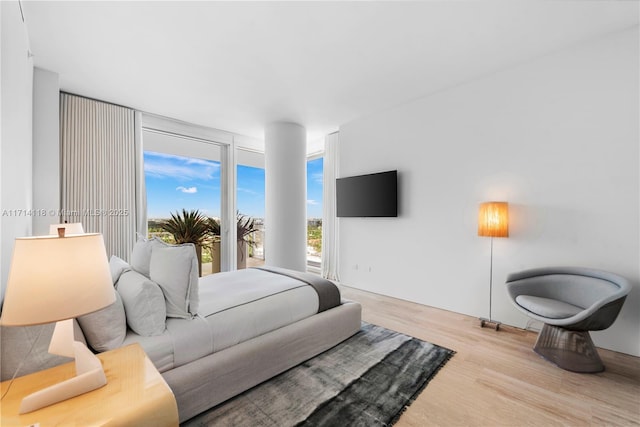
[496,379]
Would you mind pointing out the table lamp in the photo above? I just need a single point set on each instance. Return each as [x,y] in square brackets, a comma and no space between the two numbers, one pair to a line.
[69,228]
[493,221]
[54,279]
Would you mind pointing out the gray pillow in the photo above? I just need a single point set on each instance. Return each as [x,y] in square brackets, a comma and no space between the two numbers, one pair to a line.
[175,269]
[141,254]
[16,344]
[143,304]
[105,329]
[117,267]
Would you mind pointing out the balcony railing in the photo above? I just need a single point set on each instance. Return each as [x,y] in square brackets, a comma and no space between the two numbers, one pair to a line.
[256,253]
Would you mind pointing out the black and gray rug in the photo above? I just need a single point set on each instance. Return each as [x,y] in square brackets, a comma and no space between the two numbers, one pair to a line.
[367,380]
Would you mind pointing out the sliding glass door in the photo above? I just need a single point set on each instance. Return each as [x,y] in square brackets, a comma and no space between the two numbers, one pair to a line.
[183,180]
[250,199]
[190,170]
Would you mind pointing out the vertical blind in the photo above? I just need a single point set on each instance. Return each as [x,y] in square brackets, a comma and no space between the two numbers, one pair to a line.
[98,170]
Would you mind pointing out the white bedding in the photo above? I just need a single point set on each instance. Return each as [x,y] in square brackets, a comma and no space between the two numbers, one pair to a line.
[234,307]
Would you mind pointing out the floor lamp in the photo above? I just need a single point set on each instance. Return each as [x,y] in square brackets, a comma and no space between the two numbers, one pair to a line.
[493,221]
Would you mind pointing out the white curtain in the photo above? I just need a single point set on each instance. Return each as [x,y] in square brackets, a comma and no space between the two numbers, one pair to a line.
[142,227]
[329,220]
[98,170]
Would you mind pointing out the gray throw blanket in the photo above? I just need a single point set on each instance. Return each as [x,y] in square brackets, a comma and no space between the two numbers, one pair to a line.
[328,293]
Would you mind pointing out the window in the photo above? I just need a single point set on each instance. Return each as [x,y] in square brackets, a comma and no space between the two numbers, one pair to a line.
[250,202]
[182,174]
[314,213]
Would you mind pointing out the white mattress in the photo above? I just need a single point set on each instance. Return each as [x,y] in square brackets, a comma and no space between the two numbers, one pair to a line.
[234,307]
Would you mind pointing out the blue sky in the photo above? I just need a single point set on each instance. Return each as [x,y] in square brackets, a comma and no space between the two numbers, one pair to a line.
[314,188]
[175,182]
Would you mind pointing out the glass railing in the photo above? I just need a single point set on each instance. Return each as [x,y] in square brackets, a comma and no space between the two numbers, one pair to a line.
[251,254]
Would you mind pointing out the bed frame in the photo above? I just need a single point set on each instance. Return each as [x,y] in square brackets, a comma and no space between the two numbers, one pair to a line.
[209,381]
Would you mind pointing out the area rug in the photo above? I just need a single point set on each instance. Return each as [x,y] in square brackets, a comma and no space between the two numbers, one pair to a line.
[367,380]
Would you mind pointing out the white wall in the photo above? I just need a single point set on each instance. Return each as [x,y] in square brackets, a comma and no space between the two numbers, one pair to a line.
[46,150]
[16,77]
[557,138]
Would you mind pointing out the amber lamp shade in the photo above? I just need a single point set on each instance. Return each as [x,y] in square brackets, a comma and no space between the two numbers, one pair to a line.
[493,219]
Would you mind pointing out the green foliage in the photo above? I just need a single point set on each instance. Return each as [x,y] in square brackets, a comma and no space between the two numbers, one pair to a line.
[314,237]
[193,227]
[207,255]
[245,226]
[213,227]
[188,227]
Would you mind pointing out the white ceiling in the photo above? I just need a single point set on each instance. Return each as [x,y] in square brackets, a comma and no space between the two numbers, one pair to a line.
[238,65]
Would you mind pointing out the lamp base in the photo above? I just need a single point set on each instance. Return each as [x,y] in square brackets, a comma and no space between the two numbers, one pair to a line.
[487,322]
[89,376]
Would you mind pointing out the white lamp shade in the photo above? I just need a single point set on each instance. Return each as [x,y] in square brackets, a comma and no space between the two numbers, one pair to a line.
[69,228]
[56,278]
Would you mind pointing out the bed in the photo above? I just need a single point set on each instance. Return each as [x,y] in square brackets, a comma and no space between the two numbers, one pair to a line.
[251,325]
[211,338]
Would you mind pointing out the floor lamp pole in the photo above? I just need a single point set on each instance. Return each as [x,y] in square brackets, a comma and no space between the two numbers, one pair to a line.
[484,321]
[491,279]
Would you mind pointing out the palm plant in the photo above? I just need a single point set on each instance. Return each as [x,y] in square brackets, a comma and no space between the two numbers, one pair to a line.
[189,227]
[245,227]
[214,228]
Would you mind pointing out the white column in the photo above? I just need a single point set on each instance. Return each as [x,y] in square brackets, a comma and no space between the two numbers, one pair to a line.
[286,196]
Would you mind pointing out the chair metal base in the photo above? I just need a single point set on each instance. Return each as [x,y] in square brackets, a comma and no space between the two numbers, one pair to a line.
[570,350]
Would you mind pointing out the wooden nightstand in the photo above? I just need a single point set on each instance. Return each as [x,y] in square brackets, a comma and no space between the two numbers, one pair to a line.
[135,395]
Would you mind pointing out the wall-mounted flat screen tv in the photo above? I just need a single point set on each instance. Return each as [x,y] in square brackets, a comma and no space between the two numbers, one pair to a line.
[373,195]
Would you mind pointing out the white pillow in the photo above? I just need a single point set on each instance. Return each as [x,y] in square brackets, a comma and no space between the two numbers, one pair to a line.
[143,304]
[175,269]
[141,254]
[105,329]
[117,267]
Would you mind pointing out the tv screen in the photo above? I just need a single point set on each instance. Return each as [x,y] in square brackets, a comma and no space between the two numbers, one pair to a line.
[373,195]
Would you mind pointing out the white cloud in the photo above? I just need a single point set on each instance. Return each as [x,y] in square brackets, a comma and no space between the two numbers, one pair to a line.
[168,166]
[189,190]
[317,178]
[249,191]
[312,202]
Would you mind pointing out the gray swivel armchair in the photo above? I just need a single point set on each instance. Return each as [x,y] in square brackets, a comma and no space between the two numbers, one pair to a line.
[570,301]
